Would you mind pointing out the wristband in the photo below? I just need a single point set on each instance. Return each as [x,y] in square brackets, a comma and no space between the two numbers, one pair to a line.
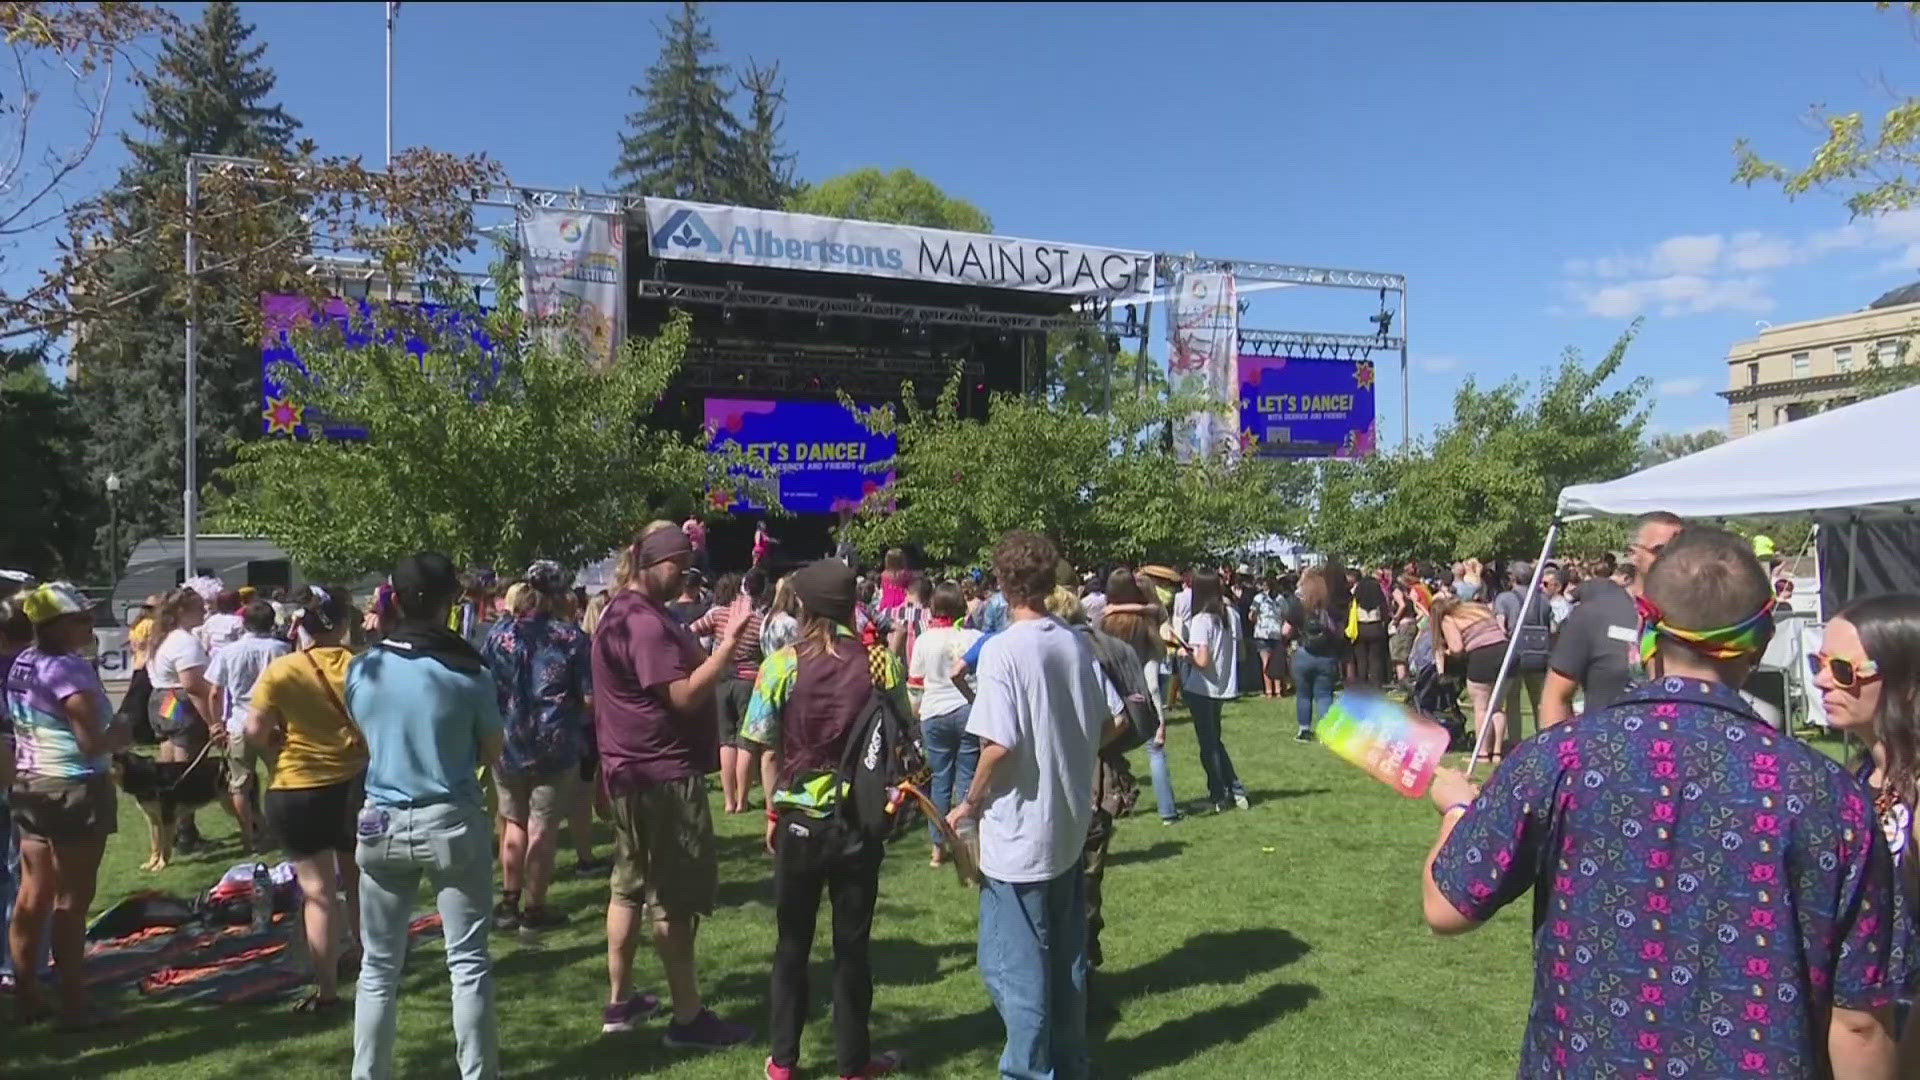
[1463,807]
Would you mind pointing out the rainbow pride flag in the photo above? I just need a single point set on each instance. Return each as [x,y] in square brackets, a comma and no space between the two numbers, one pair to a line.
[175,711]
[1398,746]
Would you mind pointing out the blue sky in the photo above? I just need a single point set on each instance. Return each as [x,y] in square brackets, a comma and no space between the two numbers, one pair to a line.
[1541,174]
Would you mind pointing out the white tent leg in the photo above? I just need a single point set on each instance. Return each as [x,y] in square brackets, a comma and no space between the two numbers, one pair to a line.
[1513,642]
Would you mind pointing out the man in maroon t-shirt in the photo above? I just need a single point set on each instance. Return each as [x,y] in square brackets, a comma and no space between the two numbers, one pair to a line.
[654,722]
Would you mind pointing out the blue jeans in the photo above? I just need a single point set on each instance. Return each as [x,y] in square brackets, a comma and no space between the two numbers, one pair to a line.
[452,846]
[1222,782]
[952,755]
[1312,686]
[1162,781]
[1033,957]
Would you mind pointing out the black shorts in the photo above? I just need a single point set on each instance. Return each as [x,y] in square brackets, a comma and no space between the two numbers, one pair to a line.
[730,701]
[1483,663]
[310,821]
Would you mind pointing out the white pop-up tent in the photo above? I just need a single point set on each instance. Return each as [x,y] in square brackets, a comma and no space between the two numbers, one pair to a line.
[1863,458]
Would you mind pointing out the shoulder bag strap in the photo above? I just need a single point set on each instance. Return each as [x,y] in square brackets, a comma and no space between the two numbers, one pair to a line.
[327,686]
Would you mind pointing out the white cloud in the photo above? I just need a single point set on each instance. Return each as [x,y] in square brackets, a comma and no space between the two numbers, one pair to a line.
[1751,251]
[1679,387]
[1676,294]
[1701,273]
[1687,255]
[1439,365]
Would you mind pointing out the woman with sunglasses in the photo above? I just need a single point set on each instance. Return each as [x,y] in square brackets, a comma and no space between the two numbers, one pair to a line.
[1868,674]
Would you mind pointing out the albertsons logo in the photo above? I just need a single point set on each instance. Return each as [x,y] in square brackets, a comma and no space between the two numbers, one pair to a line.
[685,230]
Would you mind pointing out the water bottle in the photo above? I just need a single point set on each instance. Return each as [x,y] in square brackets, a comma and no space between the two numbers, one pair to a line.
[966,856]
[262,898]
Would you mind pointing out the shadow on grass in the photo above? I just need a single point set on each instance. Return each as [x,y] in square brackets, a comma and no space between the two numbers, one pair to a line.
[1165,849]
[168,1034]
[1214,958]
[1178,1041]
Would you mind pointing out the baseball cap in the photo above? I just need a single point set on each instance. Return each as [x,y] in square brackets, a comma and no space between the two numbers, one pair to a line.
[52,600]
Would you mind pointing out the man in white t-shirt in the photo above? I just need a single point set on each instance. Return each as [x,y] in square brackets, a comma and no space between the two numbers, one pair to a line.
[232,673]
[1041,712]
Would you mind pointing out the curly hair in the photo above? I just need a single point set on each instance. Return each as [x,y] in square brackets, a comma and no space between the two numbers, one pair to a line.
[1024,563]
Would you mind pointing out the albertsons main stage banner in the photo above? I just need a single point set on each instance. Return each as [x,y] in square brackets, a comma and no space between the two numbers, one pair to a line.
[703,232]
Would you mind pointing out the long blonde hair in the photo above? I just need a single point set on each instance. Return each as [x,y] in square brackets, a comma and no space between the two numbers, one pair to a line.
[172,609]
[1447,605]
[595,608]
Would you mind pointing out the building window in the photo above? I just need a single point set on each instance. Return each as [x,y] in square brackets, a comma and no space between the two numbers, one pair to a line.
[1802,365]
[1843,359]
[1753,420]
[1797,411]
[1753,374]
[1886,352]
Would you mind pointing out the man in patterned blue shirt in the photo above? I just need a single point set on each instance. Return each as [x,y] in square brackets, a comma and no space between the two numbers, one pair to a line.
[542,666]
[1711,899]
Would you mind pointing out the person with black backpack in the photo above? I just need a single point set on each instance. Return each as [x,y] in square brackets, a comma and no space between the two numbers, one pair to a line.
[813,702]
[1534,629]
[1318,646]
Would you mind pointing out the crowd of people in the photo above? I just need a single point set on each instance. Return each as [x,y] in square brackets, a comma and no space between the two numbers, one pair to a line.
[1713,898]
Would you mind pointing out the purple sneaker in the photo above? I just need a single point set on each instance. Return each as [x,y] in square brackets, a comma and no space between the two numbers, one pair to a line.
[624,1015]
[707,1032]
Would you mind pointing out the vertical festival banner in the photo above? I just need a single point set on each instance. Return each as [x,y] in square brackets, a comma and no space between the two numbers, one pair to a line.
[573,269]
[1203,338]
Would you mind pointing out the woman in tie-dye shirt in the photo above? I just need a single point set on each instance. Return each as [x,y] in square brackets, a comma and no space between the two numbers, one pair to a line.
[63,799]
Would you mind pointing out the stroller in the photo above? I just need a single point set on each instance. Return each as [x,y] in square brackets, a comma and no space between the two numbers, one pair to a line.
[1436,695]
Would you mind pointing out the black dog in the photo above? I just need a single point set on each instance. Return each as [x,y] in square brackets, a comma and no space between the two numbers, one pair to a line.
[166,790]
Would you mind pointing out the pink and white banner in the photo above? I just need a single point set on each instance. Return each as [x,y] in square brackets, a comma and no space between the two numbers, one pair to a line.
[1203,339]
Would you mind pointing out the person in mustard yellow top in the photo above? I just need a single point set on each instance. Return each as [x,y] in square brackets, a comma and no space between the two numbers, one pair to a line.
[319,763]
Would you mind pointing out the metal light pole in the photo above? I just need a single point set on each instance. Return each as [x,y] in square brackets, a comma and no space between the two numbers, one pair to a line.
[191,520]
[113,528]
[393,8]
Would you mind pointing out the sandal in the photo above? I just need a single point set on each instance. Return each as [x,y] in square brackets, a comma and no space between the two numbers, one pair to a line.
[314,1003]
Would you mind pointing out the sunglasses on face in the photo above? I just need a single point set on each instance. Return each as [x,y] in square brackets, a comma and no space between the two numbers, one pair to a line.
[1847,674]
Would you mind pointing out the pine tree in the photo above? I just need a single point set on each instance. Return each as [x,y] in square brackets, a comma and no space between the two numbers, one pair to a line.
[765,170]
[209,92]
[684,142]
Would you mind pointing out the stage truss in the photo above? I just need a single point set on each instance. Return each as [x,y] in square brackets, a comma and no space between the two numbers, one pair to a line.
[717,367]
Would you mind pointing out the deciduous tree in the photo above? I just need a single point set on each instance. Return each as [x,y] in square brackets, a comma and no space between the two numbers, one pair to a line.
[496,454]
[1105,487]
[1486,483]
[901,197]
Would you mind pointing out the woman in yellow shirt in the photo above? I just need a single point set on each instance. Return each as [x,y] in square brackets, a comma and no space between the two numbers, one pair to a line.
[319,762]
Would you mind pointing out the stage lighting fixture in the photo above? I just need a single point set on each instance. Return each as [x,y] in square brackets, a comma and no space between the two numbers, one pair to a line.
[726,316]
[820,323]
[1382,322]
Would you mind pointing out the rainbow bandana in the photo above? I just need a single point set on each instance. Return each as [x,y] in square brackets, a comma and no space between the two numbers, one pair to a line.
[1744,638]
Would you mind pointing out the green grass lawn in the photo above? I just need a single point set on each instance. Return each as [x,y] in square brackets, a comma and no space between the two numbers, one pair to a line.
[1283,942]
